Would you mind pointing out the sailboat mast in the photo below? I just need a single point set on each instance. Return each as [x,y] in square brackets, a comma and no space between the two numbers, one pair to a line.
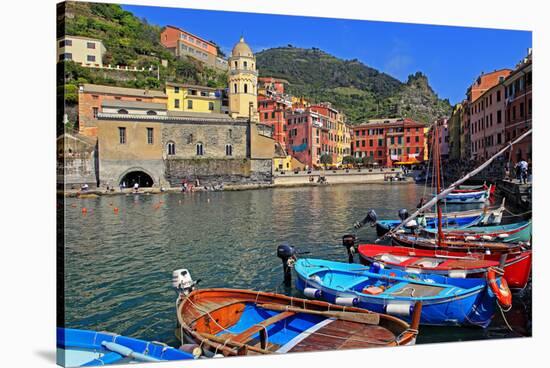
[438,181]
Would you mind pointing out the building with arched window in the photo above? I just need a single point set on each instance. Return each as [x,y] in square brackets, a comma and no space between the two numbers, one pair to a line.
[171,148]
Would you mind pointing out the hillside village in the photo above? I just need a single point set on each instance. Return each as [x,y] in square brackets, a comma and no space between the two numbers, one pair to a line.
[182,111]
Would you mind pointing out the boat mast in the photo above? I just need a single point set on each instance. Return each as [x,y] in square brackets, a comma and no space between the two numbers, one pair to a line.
[438,181]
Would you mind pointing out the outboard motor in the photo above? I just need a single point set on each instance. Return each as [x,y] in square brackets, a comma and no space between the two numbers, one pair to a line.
[403,214]
[287,254]
[370,218]
[182,281]
[348,241]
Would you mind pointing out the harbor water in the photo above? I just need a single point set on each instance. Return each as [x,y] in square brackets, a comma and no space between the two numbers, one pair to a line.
[120,252]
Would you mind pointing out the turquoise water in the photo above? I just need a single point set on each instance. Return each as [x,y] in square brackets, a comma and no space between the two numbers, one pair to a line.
[118,266]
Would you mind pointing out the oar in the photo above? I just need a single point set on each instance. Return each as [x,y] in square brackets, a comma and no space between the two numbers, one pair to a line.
[366,318]
[226,340]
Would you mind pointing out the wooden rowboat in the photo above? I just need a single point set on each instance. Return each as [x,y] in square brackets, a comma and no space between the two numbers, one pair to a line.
[244,322]
[517,265]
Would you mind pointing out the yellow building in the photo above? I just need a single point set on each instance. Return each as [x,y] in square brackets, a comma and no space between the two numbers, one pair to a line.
[243,82]
[343,139]
[191,98]
[82,50]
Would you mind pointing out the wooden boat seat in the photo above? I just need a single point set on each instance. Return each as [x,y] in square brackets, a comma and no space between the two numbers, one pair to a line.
[247,334]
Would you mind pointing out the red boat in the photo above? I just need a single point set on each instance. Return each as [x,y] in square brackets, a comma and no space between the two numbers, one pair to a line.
[517,266]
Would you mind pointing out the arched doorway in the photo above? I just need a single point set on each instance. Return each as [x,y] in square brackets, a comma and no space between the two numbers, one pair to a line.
[142,178]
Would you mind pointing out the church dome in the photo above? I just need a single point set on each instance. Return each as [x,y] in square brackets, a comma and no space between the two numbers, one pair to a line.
[241,49]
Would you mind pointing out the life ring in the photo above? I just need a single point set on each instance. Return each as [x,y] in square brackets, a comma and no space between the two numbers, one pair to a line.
[502,291]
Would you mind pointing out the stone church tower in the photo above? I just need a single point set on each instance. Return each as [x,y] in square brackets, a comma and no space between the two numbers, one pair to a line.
[243,82]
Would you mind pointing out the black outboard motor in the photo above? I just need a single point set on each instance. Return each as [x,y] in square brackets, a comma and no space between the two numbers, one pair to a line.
[403,214]
[370,218]
[348,241]
[287,254]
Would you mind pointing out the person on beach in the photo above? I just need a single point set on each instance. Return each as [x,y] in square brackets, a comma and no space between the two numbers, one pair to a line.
[136,187]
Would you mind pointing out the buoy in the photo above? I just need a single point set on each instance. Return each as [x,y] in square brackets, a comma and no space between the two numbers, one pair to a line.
[115,210]
[84,210]
[179,201]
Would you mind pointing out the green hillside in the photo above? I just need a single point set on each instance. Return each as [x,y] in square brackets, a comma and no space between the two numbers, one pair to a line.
[360,91]
[129,41]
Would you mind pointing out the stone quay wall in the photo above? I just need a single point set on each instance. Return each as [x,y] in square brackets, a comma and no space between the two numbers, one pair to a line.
[217,171]
[289,178]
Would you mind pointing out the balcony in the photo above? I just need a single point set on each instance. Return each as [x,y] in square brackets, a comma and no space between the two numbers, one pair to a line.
[245,71]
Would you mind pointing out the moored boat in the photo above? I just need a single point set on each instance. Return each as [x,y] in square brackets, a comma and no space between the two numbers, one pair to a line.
[446,301]
[243,322]
[456,219]
[465,246]
[516,266]
[464,197]
[509,233]
[78,348]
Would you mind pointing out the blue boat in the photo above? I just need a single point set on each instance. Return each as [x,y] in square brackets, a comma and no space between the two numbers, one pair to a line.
[85,348]
[509,233]
[452,220]
[445,301]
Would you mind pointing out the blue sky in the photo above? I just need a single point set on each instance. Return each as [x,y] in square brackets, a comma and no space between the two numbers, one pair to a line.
[451,57]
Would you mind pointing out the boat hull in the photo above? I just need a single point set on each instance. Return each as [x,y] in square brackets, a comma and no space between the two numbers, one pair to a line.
[235,311]
[474,307]
[517,267]
[476,217]
[78,348]
[511,233]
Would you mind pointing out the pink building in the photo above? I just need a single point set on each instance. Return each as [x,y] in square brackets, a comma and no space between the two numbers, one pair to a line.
[304,136]
[443,136]
[487,123]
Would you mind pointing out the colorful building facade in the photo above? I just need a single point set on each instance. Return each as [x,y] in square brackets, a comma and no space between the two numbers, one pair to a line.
[519,108]
[389,141]
[191,98]
[487,123]
[183,43]
[91,97]
[82,50]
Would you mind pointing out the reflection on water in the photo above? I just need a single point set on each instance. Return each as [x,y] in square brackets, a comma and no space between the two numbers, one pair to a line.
[118,265]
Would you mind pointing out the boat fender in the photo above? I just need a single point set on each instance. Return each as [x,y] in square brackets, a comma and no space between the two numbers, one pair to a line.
[375,267]
[503,236]
[470,238]
[488,252]
[313,293]
[413,270]
[487,237]
[347,301]
[457,274]
[502,291]
[399,309]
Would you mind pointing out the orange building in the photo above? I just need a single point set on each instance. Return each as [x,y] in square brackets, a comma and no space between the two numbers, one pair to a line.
[92,96]
[183,43]
[389,141]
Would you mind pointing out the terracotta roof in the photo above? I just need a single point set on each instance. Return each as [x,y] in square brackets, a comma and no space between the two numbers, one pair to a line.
[190,86]
[97,88]
[80,38]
